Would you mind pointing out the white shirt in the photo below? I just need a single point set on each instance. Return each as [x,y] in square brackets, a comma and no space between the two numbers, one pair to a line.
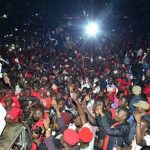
[96,90]
[91,144]
[139,52]
[137,147]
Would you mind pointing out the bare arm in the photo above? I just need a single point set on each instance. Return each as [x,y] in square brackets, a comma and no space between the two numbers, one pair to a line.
[80,109]
[59,118]
[139,140]
[91,119]
[139,137]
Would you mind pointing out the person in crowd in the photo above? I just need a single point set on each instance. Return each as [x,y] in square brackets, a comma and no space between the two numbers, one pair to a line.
[27,102]
[142,138]
[10,93]
[13,113]
[108,104]
[136,90]
[82,125]
[95,120]
[35,127]
[117,132]
[69,139]
[123,103]
[141,107]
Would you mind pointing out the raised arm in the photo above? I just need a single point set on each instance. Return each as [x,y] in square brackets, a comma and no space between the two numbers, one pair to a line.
[139,139]
[49,139]
[80,109]
[91,119]
[59,118]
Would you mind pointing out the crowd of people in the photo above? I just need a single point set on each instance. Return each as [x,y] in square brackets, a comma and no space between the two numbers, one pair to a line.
[75,98]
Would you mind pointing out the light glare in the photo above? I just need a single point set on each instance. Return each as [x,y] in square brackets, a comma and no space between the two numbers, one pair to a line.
[92,29]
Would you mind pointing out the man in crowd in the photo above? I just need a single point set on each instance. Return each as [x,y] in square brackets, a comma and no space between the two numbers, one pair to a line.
[117,132]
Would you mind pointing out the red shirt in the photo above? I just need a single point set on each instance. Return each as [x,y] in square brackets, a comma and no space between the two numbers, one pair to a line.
[35,94]
[15,102]
[14,114]
[37,124]
[112,110]
[46,102]
[148,98]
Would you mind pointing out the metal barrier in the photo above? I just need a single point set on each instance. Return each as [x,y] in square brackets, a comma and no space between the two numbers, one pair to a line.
[13,134]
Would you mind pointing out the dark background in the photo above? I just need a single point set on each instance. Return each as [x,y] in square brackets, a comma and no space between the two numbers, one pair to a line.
[112,13]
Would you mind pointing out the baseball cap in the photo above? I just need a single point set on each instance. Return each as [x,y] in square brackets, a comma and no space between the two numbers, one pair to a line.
[85,135]
[136,90]
[71,137]
[142,104]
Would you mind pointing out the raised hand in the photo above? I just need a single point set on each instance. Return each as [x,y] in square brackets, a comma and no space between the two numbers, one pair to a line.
[74,96]
[138,117]
[46,123]
[71,88]
[54,104]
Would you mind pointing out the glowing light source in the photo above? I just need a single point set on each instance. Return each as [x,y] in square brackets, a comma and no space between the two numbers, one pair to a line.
[92,29]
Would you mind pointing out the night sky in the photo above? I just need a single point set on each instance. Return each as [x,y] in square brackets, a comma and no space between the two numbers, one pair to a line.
[43,13]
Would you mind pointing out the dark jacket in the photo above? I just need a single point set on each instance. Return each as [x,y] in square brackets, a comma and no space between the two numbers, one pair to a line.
[101,132]
[117,135]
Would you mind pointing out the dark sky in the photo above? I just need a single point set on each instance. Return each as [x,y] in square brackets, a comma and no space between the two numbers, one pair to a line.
[21,12]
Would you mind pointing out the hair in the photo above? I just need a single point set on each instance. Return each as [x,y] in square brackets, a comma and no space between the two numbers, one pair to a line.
[98,102]
[101,101]
[40,108]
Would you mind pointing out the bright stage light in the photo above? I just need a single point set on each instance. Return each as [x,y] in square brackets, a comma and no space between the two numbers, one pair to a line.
[92,29]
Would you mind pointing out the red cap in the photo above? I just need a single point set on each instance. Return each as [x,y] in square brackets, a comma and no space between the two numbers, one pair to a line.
[146,90]
[85,135]
[71,137]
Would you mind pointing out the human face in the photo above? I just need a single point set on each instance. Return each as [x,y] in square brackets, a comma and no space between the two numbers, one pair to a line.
[96,107]
[120,116]
[61,105]
[10,93]
[122,102]
[8,102]
[144,127]
[87,98]
[28,93]
[59,96]
[35,87]
[77,121]
[139,110]
[36,115]
[107,102]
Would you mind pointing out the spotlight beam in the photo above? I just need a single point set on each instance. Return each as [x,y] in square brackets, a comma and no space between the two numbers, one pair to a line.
[92,29]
